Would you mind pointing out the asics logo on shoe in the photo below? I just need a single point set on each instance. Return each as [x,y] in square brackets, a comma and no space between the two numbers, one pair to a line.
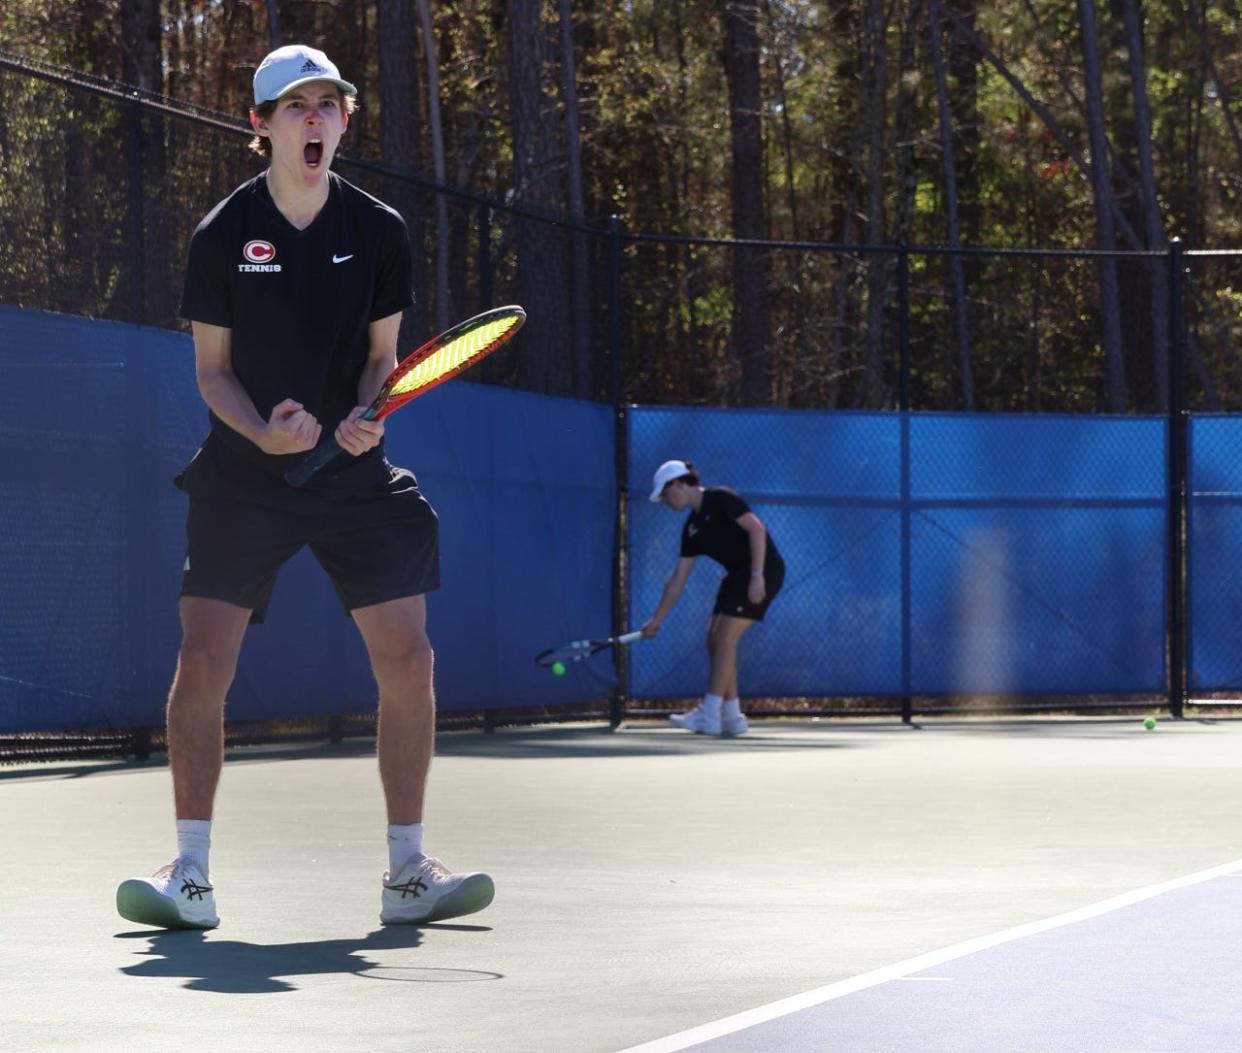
[413,887]
[192,891]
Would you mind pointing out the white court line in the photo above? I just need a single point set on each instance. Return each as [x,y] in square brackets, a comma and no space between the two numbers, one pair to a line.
[762,1014]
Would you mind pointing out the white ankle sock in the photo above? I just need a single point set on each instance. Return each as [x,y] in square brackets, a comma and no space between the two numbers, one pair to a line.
[730,708]
[404,843]
[711,705]
[194,841]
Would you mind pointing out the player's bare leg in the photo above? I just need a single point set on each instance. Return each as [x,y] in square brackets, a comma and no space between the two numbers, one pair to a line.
[726,633]
[180,895]
[402,661]
[417,888]
[723,635]
[707,718]
[211,639]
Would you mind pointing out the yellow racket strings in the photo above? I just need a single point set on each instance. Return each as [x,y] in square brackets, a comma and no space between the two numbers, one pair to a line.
[453,355]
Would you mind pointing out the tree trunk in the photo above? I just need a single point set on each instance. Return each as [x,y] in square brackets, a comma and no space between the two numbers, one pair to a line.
[151,258]
[545,363]
[580,270]
[273,24]
[401,144]
[444,307]
[1101,185]
[297,19]
[876,50]
[1040,111]
[961,327]
[751,264]
[1159,298]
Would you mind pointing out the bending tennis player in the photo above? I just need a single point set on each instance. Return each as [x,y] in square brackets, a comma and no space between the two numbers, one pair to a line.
[722,526]
[295,287]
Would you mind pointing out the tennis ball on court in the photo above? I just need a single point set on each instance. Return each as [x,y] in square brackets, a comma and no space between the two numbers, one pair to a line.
[1149,723]
[558,668]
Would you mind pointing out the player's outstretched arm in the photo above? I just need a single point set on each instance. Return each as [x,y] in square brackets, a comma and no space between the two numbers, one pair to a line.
[672,593]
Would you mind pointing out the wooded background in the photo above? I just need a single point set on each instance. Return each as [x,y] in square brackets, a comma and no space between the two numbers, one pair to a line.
[1037,124]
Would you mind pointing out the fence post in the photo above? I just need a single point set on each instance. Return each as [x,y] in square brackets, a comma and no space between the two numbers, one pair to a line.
[903,405]
[1177,497]
[616,713]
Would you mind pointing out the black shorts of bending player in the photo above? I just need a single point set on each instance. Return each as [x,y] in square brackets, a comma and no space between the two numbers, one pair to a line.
[377,545]
[732,598]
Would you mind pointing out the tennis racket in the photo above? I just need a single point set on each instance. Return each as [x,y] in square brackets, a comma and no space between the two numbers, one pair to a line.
[577,650]
[438,360]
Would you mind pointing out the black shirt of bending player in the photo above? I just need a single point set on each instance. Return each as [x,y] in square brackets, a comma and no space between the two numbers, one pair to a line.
[300,331]
[713,531]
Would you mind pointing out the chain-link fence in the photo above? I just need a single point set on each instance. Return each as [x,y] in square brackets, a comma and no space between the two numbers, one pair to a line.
[1020,531]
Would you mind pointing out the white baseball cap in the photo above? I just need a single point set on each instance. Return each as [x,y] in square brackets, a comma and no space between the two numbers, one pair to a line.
[665,474]
[292,66]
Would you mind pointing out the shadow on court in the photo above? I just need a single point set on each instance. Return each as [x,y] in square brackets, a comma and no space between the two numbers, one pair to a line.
[236,967]
[541,741]
[629,741]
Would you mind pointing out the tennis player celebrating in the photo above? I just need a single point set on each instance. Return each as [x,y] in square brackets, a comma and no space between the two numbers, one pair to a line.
[722,526]
[295,287]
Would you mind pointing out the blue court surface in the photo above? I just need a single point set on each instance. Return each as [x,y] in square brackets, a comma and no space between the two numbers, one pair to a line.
[1157,969]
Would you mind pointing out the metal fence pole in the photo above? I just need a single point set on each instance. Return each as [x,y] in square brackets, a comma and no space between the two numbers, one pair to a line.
[620,567]
[903,404]
[1177,471]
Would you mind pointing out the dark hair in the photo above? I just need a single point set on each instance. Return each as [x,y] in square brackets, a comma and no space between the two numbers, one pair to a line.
[262,145]
[691,478]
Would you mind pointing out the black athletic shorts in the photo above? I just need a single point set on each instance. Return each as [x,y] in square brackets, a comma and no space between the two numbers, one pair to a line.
[732,599]
[377,536]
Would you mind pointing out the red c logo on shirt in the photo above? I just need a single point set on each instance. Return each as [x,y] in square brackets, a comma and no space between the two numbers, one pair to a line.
[259,251]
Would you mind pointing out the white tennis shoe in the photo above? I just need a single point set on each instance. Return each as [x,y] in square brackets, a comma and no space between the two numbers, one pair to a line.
[176,896]
[426,890]
[697,720]
[731,727]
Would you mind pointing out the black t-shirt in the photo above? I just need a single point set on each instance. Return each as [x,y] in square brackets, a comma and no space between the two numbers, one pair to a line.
[713,531]
[298,302]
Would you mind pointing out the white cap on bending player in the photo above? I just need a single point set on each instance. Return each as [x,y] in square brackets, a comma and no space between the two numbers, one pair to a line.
[665,474]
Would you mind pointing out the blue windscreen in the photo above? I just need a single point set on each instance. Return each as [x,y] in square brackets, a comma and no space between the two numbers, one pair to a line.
[827,486]
[1214,559]
[1004,554]
[95,420]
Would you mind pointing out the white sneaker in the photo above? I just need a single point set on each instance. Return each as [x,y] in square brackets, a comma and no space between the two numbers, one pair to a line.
[731,727]
[697,720]
[426,890]
[176,896]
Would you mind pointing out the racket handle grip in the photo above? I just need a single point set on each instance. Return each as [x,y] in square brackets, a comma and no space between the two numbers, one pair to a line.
[637,634]
[298,472]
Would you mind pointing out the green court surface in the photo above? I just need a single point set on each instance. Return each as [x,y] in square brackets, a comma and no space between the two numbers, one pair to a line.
[648,881]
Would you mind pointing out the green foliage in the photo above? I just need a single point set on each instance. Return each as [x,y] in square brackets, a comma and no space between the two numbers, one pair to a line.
[655,129]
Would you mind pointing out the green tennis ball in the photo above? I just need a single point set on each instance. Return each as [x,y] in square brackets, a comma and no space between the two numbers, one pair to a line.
[1149,723]
[558,668]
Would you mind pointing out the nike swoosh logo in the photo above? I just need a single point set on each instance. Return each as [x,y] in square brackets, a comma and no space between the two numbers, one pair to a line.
[342,259]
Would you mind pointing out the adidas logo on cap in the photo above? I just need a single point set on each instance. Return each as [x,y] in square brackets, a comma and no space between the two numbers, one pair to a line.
[291,65]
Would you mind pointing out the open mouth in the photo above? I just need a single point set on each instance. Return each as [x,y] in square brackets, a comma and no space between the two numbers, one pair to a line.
[313,152]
